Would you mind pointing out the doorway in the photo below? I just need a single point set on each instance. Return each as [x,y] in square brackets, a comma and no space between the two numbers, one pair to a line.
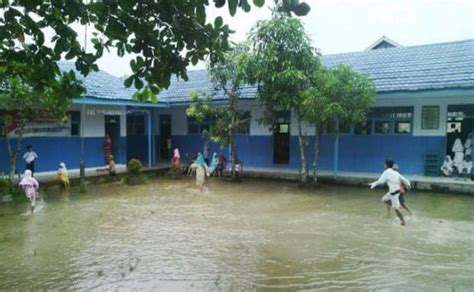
[281,143]
[460,124]
[112,128]
[165,137]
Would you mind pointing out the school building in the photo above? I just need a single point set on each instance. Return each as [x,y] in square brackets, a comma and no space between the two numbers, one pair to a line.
[425,99]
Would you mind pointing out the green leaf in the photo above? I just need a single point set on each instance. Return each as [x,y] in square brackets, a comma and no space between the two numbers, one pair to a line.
[155,89]
[259,3]
[194,59]
[128,81]
[301,9]
[138,83]
[233,6]
[219,3]
[218,22]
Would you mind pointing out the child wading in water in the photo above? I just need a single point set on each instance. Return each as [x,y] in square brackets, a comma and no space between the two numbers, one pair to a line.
[201,171]
[393,180]
[63,175]
[30,186]
[112,168]
[401,198]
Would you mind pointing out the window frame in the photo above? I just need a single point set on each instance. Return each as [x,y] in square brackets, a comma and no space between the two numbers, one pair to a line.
[392,115]
[73,122]
[427,107]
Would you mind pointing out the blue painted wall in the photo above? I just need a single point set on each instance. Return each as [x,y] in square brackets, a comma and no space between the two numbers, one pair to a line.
[53,150]
[356,153]
[137,146]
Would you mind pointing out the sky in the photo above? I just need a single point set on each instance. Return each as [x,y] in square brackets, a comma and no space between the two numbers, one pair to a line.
[339,26]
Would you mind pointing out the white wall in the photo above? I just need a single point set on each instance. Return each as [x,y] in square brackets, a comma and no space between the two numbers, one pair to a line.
[179,119]
[419,102]
[94,122]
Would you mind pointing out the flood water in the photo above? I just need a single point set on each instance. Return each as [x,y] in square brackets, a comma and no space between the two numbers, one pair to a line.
[257,235]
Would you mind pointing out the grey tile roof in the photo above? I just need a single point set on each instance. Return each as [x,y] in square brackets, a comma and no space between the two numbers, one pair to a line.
[199,80]
[426,67]
[101,84]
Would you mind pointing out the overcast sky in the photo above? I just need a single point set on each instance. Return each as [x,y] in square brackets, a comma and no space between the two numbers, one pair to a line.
[338,26]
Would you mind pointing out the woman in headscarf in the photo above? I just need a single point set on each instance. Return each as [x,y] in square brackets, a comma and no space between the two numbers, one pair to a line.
[30,186]
[468,145]
[214,163]
[447,167]
[458,150]
[63,175]
[201,170]
[176,160]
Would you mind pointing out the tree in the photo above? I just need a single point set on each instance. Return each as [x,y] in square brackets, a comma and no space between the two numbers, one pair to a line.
[163,36]
[228,75]
[282,63]
[338,95]
[28,97]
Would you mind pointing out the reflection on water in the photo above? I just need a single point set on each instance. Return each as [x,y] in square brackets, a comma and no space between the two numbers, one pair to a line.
[250,236]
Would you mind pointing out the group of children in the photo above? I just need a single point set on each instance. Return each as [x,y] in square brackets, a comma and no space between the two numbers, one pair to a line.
[30,185]
[198,166]
[461,164]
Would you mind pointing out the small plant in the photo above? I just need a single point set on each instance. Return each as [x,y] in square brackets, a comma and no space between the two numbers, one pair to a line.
[9,191]
[134,168]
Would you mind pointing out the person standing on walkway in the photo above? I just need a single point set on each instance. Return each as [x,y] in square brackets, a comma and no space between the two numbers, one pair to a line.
[392,179]
[30,157]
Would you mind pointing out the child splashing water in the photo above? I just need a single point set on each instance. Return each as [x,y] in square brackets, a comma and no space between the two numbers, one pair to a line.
[63,175]
[393,180]
[30,186]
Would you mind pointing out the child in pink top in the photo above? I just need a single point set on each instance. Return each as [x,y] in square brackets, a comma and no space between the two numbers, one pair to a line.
[30,186]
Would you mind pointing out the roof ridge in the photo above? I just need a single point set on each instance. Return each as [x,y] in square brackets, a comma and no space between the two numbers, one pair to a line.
[399,48]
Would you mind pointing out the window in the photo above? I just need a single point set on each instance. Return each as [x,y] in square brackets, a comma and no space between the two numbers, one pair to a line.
[135,124]
[430,117]
[364,128]
[403,127]
[396,120]
[244,127]
[344,128]
[75,117]
[284,128]
[194,127]
[382,127]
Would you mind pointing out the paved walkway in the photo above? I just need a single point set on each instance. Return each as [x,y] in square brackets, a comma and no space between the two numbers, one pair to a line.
[361,175]
[442,184]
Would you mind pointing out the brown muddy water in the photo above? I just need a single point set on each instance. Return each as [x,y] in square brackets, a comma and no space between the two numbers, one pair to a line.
[257,235]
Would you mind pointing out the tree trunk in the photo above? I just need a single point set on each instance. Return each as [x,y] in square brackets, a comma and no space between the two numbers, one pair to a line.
[233,151]
[302,142]
[232,126]
[13,153]
[317,141]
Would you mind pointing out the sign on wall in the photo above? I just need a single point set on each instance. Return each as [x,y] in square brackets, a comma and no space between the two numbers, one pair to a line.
[43,126]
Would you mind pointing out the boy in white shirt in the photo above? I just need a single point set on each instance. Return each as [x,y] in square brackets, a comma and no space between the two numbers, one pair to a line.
[393,179]
[29,158]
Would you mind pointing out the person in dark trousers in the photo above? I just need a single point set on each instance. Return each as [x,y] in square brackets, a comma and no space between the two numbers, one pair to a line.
[30,157]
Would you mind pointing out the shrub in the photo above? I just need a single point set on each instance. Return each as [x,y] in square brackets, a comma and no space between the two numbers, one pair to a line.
[134,175]
[9,191]
[134,166]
